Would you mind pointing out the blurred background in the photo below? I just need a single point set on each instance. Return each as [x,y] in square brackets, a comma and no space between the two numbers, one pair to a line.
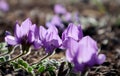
[98,18]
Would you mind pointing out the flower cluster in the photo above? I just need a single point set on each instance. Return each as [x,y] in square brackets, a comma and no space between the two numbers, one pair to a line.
[81,51]
[62,18]
[29,34]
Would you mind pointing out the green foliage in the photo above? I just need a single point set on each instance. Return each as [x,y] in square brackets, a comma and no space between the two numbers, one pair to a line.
[48,66]
[21,64]
[41,69]
[52,73]
[16,65]
[30,69]
[3,48]
[4,58]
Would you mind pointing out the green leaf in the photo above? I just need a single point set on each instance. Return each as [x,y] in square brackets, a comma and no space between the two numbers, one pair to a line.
[30,69]
[16,65]
[41,69]
[52,73]
[2,59]
[33,66]
[23,63]
[20,61]
[3,47]
[50,68]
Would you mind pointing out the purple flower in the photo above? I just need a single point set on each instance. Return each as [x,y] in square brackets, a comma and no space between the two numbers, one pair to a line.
[24,34]
[55,21]
[72,31]
[83,54]
[49,38]
[68,17]
[59,9]
[4,5]
[81,51]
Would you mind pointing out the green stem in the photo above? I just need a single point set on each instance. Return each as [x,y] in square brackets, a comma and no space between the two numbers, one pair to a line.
[46,56]
[16,57]
[9,51]
[12,59]
[43,58]
[23,53]
[33,74]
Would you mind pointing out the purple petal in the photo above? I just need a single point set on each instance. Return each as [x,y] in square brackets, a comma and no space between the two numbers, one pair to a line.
[51,33]
[49,36]
[57,39]
[31,36]
[78,67]
[87,48]
[56,42]
[25,26]
[92,61]
[53,29]
[32,28]
[37,44]
[11,40]
[42,32]
[49,48]
[52,41]
[68,17]
[101,58]
[72,31]
[69,57]
[64,35]
[56,21]
[80,35]
[35,29]
[71,46]
[48,24]
[18,32]
[59,9]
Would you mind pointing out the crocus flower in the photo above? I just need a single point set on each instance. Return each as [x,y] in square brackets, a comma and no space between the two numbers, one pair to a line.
[24,34]
[81,51]
[59,9]
[56,21]
[49,38]
[4,5]
[72,31]
[83,54]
